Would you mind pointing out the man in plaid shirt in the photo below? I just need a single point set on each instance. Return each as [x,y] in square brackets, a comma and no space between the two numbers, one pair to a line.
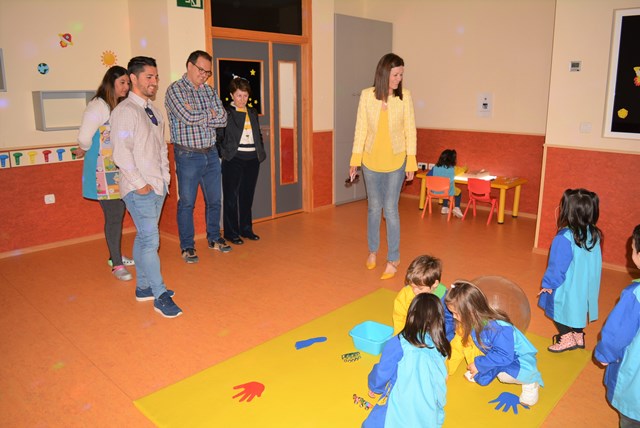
[195,111]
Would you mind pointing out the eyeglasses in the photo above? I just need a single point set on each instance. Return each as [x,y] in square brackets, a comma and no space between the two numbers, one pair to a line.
[349,181]
[202,70]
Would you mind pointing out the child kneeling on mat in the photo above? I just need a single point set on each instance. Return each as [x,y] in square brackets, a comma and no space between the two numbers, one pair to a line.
[411,374]
[501,350]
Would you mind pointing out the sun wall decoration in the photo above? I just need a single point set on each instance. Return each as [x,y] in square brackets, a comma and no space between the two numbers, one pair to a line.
[109,58]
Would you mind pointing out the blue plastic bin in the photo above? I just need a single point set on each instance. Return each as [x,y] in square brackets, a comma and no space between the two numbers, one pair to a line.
[370,336]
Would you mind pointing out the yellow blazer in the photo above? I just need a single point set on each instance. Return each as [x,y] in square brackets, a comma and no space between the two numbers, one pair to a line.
[402,123]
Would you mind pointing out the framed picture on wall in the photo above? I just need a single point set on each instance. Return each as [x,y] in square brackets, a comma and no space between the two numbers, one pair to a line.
[622,116]
[3,82]
[228,69]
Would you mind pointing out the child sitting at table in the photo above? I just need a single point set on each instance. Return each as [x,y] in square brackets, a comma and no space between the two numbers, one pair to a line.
[446,167]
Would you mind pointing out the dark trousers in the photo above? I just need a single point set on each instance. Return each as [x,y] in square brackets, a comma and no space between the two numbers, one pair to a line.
[563,329]
[626,422]
[113,210]
[239,178]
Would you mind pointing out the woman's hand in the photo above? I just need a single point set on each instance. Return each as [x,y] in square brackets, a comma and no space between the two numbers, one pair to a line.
[372,394]
[409,175]
[353,170]
[79,153]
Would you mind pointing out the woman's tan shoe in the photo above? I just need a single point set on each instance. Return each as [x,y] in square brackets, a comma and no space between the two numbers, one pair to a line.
[371,261]
[391,270]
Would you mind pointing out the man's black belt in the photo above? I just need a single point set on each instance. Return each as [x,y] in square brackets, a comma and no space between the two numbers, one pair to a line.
[195,149]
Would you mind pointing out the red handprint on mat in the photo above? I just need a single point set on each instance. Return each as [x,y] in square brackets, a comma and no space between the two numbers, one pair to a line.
[251,389]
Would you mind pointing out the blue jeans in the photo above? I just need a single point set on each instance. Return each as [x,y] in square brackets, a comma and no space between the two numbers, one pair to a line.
[198,169]
[383,192]
[145,211]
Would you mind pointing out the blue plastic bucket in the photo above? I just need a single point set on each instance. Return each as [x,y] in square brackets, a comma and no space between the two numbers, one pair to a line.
[370,336]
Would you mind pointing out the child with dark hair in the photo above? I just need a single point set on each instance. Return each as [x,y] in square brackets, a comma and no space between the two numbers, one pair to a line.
[571,283]
[619,348]
[502,351]
[411,374]
[446,167]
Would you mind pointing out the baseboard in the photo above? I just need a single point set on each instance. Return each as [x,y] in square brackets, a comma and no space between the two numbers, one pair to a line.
[59,244]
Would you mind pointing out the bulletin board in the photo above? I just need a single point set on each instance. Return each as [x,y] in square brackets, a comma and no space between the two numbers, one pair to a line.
[228,69]
[623,97]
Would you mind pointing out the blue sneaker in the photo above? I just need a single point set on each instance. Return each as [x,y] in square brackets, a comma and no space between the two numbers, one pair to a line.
[143,295]
[166,307]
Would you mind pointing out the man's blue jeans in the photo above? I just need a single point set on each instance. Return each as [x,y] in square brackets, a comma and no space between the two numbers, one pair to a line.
[198,169]
[383,193]
[145,211]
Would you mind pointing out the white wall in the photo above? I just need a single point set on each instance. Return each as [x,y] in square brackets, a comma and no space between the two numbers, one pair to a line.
[323,62]
[456,49]
[158,29]
[583,32]
[29,35]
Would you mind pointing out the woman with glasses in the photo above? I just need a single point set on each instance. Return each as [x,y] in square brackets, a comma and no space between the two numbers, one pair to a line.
[384,146]
[100,174]
[242,150]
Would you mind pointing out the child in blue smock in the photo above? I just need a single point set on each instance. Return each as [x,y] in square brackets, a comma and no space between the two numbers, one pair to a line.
[411,374]
[571,283]
[446,167]
[619,348]
[503,351]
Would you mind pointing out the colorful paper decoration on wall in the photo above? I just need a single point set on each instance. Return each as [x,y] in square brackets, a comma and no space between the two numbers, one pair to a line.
[65,40]
[109,58]
[43,68]
[32,157]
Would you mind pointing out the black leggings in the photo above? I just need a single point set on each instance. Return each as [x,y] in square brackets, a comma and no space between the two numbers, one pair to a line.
[563,329]
[113,210]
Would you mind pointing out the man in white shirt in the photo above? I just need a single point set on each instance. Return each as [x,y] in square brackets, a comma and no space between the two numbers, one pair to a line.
[139,150]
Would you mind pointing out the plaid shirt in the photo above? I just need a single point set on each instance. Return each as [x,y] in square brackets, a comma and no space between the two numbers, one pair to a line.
[189,108]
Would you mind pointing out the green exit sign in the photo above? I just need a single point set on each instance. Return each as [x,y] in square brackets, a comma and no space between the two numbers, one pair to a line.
[193,4]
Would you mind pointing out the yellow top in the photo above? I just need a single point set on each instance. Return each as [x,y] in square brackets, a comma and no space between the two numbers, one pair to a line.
[400,129]
[402,302]
[381,158]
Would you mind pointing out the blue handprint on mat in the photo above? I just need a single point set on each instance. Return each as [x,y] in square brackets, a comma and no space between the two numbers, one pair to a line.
[506,401]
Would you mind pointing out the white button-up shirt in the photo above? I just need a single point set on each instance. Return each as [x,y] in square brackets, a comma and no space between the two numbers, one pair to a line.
[139,148]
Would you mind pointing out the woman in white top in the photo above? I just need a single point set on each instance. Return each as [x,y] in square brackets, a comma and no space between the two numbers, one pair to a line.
[100,175]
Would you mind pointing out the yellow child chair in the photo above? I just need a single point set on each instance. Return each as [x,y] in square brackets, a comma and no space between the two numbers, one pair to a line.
[438,188]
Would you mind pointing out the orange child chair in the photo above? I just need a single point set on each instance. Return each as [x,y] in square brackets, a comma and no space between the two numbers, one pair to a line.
[438,188]
[479,191]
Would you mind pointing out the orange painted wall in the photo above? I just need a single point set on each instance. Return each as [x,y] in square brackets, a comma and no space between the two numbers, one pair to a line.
[511,155]
[322,168]
[613,176]
[25,221]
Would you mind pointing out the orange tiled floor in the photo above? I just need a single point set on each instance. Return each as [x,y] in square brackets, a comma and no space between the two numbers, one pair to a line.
[77,348]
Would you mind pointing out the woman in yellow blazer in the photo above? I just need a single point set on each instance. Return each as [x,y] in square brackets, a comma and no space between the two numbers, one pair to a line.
[384,146]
